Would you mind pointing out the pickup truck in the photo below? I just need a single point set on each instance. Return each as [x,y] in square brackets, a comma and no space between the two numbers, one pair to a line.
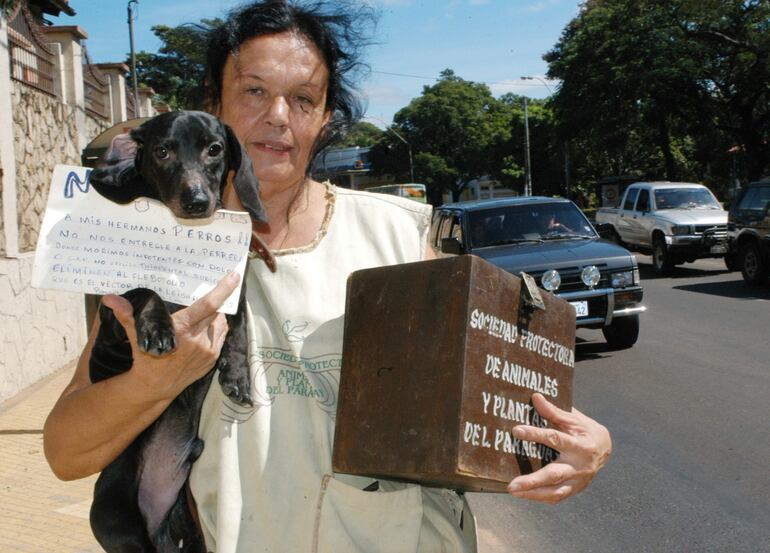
[675,222]
[749,231]
[551,240]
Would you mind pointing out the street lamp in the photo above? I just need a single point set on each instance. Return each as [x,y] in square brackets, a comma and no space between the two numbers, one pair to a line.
[401,138]
[527,162]
[545,84]
[133,55]
[566,142]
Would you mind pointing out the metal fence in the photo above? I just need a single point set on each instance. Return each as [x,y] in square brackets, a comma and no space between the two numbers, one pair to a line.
[32,63]
[95,88]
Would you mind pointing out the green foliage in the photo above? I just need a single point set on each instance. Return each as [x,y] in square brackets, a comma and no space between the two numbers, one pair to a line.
[665,89]
[362,134]
[456,129]
[176,72]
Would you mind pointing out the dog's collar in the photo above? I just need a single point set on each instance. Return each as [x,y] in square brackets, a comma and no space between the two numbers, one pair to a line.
[258,248]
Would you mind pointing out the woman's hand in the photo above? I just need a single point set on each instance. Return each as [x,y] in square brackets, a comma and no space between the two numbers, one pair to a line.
[93,422]
[584,446]
[200,333]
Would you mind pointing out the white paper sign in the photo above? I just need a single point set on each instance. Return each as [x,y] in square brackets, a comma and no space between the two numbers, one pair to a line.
[93,245]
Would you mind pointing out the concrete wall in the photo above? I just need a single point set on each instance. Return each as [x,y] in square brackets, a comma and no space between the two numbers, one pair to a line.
[40,330]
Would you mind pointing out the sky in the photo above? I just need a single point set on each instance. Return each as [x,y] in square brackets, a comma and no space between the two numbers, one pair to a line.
[491,41]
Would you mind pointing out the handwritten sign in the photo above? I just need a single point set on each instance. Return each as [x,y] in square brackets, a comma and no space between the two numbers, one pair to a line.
[90,244]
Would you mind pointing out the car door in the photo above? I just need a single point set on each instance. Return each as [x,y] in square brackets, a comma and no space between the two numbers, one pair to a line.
[626,212]
[449,225]
[639,218]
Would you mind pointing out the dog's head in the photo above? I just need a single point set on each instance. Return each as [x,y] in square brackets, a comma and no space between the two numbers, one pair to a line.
[183,159]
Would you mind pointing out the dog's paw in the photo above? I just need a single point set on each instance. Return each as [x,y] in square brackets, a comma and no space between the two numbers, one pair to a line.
[156,339]
[236,386]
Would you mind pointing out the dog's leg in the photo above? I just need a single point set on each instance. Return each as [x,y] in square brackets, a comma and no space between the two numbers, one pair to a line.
[116,522]
[233,361]
[154,328]
[167,460]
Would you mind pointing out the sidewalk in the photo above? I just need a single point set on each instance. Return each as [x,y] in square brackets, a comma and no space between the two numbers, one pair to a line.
[38,512]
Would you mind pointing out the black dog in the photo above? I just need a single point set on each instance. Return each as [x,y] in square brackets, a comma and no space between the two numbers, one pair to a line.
[140,500]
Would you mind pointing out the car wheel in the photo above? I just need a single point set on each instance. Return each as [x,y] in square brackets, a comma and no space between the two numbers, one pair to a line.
[753,267]
[623,332]
[732,262]
[661,259]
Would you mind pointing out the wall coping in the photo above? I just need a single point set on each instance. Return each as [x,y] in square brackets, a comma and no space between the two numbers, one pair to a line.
[113,65]
[76,30]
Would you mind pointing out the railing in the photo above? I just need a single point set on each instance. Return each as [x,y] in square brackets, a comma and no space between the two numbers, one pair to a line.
[32,63]
[95,88]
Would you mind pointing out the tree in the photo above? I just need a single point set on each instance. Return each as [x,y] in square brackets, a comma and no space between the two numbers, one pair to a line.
[453,128]
[664,89]
[177,71]
[361,134]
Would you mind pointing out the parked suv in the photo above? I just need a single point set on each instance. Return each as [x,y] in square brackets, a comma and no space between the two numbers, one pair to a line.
[551,240]
[749,232]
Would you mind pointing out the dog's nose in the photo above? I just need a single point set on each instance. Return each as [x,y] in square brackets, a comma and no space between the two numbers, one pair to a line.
[195,203]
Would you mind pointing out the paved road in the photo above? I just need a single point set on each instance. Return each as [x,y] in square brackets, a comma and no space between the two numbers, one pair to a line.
[689,411]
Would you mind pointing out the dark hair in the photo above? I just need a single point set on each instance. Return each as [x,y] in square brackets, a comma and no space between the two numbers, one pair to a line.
[340,34]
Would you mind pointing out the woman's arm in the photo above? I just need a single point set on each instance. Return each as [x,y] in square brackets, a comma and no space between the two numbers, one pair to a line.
[92,423]
[584,447]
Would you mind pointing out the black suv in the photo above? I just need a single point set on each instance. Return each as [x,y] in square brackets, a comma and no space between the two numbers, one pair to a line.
[551,240]
[748,226]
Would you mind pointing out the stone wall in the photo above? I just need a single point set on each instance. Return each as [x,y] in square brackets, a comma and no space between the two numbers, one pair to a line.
[45,134]
[41,330]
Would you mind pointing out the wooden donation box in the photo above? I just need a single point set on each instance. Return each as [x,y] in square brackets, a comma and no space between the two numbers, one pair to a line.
[440,361]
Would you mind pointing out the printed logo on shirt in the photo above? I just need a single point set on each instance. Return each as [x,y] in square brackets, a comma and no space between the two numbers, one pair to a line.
[280,372]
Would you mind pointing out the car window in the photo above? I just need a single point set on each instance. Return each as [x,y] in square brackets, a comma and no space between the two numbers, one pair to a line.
[685,198]
[630,198]
[444,227]
[755,199]
[643,203]
[456,229]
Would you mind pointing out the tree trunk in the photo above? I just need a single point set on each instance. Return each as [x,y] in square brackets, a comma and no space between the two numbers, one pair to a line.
[664,143]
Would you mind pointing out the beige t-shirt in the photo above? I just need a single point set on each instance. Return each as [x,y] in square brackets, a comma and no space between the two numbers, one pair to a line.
[264,482]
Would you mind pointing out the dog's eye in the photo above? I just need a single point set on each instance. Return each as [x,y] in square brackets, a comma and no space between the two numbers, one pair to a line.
[161,152]
[215,150]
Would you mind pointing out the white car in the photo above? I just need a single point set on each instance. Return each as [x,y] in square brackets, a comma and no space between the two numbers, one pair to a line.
[676,222]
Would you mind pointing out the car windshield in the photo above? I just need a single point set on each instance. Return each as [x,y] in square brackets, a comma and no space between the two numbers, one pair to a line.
[528,223]
[685,198]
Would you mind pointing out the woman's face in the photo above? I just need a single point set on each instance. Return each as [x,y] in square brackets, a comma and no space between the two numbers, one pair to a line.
[274,98]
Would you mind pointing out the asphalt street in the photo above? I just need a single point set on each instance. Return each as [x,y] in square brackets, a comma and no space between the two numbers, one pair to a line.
[689,411]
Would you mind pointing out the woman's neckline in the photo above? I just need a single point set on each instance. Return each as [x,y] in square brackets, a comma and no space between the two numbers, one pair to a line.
[330,198]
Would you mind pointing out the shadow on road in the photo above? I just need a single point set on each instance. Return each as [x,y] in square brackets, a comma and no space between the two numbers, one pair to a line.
[736,289]
[646,272]
[590,349]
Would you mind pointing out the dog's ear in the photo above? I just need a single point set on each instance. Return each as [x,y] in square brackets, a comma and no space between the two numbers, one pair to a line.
[116,176]
[245,183]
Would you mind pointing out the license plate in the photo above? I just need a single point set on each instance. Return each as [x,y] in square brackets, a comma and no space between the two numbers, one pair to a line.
[718,249]
[581,308]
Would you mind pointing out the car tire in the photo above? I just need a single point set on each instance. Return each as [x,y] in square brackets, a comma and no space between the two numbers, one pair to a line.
[623,332]
[661,258]
[753,267]
[732,262]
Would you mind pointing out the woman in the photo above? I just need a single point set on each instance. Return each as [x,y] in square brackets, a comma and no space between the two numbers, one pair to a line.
[277,76]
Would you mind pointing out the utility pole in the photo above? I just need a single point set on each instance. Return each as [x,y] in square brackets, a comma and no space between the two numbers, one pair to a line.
[527,163]
[133,55]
